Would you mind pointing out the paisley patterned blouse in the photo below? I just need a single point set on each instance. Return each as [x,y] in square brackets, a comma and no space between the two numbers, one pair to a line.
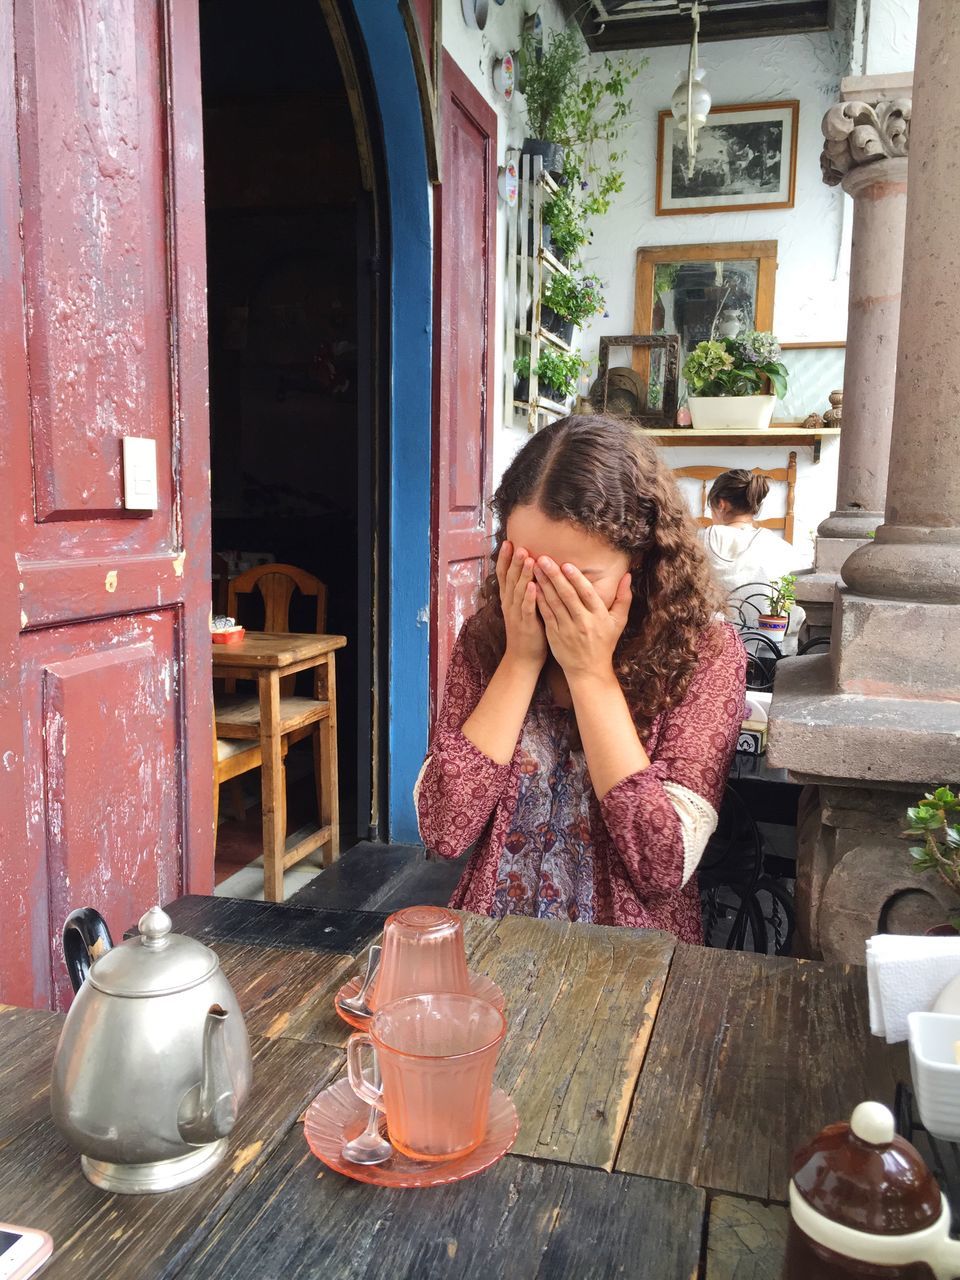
[545,844]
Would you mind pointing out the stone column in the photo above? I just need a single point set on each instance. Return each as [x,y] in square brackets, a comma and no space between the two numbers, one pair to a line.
[877,721]
[865,152]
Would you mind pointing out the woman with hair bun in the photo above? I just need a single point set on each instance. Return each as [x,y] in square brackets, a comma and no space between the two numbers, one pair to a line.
[740,552]
[592,704]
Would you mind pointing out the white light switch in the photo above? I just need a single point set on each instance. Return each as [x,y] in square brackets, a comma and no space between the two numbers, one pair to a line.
[139,474]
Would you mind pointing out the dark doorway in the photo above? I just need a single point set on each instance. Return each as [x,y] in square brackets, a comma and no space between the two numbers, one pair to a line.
[292,254]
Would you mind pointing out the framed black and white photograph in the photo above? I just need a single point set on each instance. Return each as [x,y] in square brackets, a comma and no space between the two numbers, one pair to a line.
[746,158]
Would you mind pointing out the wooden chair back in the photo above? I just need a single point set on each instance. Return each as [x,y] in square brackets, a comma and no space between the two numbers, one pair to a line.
[782,475]
[276,584]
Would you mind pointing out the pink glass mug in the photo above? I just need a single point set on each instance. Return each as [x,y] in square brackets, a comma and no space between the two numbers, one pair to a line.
[436,1055]
[423,952]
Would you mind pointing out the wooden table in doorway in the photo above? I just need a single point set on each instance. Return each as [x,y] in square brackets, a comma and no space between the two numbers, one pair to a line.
[268,658]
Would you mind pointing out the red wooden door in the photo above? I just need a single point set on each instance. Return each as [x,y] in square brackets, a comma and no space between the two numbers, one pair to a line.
[465,220]
[105,718]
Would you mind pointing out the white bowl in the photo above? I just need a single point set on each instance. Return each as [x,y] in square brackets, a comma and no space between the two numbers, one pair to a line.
[935,1071]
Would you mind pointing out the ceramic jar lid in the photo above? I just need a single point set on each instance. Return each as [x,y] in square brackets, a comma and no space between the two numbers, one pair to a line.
[863,1175]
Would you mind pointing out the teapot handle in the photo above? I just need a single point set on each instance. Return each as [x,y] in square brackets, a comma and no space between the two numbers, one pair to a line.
[85,938]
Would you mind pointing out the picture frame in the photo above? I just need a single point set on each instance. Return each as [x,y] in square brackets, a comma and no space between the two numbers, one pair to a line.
[661,358]
[747,159]
[695,289]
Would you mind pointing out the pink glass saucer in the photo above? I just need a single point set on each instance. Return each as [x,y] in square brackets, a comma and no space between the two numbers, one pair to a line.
[337,1115]
[480,986]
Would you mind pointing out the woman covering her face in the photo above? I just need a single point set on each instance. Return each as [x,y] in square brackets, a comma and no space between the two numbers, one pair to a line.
[592,704]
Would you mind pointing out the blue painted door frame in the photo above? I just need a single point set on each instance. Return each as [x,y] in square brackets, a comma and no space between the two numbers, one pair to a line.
[411,348]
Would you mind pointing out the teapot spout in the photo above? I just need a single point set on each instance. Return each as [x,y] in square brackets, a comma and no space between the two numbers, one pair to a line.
[209,1110]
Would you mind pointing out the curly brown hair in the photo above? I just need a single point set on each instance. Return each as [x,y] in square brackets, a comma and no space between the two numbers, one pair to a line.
[598,474]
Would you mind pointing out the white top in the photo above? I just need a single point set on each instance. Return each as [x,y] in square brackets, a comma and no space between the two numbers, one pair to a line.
[741,554]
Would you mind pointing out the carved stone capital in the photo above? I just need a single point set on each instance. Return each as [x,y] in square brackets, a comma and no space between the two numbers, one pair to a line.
[857,133]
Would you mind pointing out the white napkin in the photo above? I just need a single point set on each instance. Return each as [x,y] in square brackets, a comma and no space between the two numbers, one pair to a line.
[905,974]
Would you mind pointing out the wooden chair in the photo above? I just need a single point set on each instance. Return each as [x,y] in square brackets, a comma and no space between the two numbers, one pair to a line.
[232,757]
[782,475]
[300,718]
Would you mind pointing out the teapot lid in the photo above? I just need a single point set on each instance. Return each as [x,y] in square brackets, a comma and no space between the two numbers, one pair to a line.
[156,963]
[863,1175]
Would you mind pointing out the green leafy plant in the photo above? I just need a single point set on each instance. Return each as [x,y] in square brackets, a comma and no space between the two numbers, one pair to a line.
[558,370]
[574,298]
[550,78]
[783,593]
[736,366]
[566,220]
[936,821]
[665,277]
[585,111]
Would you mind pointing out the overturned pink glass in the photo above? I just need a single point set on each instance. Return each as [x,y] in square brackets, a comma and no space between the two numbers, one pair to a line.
[423,952]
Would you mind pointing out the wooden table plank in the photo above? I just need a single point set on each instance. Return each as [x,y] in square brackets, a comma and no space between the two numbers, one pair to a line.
[580,1002]
[750,1057]
[520,1218]
[147,1237]
[288,994]
[28,1038]
[274,649]
[746,1240]
[274,924]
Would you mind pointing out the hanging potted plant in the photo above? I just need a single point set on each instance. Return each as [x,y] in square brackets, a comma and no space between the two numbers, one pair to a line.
[727,380]
[568,301]
[557,375]
[936,822]
[564,219]
[774,623]
[550,79]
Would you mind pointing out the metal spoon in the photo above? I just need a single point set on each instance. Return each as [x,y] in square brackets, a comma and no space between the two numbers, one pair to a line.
[358,1004]
[369,1147]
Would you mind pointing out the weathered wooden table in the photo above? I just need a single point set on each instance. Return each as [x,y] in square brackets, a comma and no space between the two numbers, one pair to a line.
[661,1089]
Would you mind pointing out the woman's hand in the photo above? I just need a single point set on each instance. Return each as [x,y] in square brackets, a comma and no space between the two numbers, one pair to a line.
[581,631]
[526,638]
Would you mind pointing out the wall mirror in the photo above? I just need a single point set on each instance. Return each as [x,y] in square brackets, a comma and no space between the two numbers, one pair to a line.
[814,370]
[702,291]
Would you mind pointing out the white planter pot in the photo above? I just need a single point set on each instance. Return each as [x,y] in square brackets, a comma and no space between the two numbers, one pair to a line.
[731,413]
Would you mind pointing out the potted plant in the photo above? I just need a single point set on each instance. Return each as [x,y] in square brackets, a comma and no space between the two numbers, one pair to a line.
[575,114]
[550,78]
[727,379]
[557,375]
[568,301]
[565,220]
[774,623]
[936,822]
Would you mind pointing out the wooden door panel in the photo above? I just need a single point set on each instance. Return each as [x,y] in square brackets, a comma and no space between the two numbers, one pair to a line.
[95,263]
[101,750]
[105,693]
[465,308]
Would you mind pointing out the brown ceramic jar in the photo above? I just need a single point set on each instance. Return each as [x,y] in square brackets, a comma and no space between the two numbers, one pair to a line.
[864,1204]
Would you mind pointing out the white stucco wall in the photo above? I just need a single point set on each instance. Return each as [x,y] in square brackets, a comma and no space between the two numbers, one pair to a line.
[890,31]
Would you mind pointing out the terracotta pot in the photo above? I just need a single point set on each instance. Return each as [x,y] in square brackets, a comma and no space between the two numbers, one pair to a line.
[773,625]
[942,931]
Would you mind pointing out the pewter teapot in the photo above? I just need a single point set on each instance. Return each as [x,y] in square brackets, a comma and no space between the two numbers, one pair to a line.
[153,1063]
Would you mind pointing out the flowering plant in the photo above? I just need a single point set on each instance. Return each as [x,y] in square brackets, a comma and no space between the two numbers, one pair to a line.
[736,366]
[783,593]
[575,299]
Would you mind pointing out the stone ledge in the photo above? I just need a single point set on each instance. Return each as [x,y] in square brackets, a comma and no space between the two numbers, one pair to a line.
[817,588]
[819,733]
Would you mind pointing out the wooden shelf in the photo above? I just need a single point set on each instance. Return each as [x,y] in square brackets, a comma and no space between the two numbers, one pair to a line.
[543,406]
[546,336]
[785,433]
